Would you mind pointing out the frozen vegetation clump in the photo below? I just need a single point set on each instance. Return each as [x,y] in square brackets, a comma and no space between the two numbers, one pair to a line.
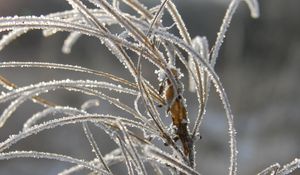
[138,137]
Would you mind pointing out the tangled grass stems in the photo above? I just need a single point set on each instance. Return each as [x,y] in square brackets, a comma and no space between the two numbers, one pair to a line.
[138,34]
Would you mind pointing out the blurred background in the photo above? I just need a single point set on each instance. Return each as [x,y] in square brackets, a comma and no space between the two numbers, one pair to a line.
[259,66]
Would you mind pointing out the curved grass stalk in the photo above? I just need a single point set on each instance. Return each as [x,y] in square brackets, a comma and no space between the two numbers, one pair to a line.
[70,41]
[143,40]
[135,155]
[136,106]
[53,156]
[14,105]
[67,84]
[73,68]
[163,158]
[289,168]
[33,22]
[139,35]
[89,104]
[45,23]
[10,86]
[94,145]
[254,8]
[226,22]
[51,110]
[94,118]
[270,170]
[126,157]
[115,102]
[170,51]
[276,169]
[50,104]
[8,38]
[69,16]
[45,87]
[201,46]
[139,7]
[111,158]
[78,5]
[90,136]
[179,22]
[116,50]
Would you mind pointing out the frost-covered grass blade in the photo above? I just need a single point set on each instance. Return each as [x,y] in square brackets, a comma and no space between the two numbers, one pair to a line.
[141,37]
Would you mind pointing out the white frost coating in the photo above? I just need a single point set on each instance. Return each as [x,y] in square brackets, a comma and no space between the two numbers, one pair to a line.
[53,156]
[163,158]
[223,29]
[289,168]
[75,86]
[14,105]
[89,135]
[97,118]
[49,32]
[70,41]
[170,50]
[94,145]
[111,158]
[78,5]
[66,84]
[200,44]
[161,75]
[65,67]
[113,101]
[52,110]
[171,7]
[203,46]
[196,44]
[8,38]
[136,104]
[123,21]
[121,56]
[270,170]
[58,22]
[90,103]
[139,7]
[254,8]
[134,152]
[285,170]
[33,22]
[126,156]
[35,90]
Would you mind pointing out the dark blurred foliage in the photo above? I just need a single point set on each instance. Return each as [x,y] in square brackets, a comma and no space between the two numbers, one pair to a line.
[258,65]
